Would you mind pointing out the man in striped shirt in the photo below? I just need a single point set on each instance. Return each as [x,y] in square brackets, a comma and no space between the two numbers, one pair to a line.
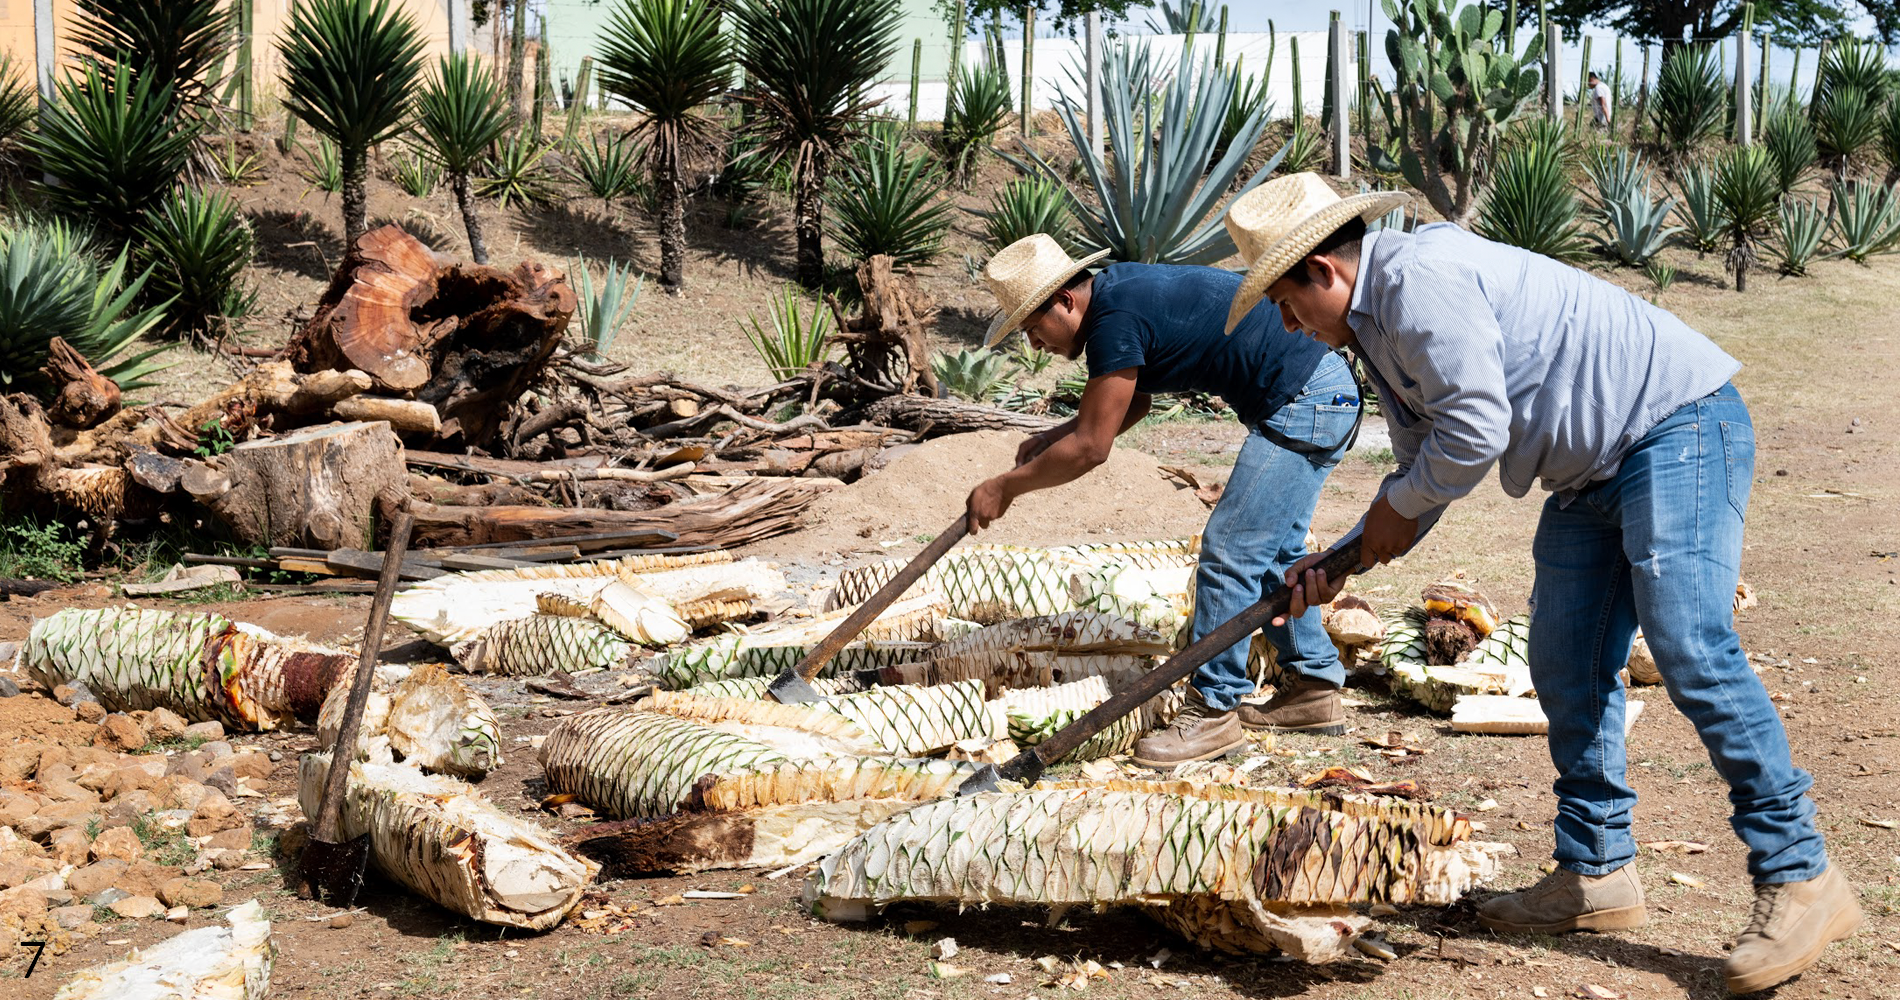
[1484,354]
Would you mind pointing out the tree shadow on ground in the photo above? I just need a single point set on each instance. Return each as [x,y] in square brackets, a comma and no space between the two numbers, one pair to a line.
[588,227]
[962,326]
[294,241]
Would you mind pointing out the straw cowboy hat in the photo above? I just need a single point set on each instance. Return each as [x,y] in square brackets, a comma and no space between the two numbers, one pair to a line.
[1024,274]
[1280,222]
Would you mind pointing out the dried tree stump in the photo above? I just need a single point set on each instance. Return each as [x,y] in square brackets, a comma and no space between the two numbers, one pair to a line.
[948,416]
[313,488]
[81,396]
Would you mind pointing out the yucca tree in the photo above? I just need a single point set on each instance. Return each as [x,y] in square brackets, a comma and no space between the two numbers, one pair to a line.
[1748,187]
[459,115]
[177,44]
[667,59]
[112,146]
[812,63]
[350,71]
[1691,100]
[19,104]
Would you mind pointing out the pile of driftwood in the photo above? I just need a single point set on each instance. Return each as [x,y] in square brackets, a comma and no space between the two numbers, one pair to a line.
[426,383]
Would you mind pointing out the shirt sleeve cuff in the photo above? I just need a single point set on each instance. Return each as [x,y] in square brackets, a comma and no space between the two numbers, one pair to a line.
[1406,500]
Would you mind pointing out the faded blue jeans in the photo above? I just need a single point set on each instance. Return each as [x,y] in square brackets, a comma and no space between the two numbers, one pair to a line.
[1660,544]
[1258,531]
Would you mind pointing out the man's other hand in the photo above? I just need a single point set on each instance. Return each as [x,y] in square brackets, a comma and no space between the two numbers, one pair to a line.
[1386,536]
[987,502]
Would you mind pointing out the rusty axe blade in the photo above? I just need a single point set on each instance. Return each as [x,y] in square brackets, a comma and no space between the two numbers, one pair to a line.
[793,687]
[1026,768]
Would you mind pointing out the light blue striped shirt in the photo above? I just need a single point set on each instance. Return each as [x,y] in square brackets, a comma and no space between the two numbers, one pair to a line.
[1486,353]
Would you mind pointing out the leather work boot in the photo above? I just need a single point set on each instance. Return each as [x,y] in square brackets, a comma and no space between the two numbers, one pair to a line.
[1300,705]
[1198,733]
[1567,901]
[1791,924]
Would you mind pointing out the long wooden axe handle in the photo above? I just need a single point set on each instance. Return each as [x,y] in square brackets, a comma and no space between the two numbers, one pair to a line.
[343,751]
[794,685]
[1027,767]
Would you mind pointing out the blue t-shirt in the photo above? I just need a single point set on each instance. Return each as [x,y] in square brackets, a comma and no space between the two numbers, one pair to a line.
[1168,321]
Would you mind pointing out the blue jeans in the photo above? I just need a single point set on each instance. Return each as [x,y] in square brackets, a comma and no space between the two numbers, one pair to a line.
[1660,544]
[1258,531]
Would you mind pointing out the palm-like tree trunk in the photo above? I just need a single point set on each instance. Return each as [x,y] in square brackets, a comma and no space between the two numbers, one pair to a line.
[809,218]
[465,200]
[355,196]
[672,228]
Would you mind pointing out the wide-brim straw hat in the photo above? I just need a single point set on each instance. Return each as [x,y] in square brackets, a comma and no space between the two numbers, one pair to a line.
[1277,224]
[1023,275]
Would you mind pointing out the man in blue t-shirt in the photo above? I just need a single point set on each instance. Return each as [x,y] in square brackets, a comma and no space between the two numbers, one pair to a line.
[1151,328]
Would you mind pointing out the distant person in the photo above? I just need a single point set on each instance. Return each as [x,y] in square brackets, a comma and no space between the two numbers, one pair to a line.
[1487,355]
[1599,101]
[1151,328]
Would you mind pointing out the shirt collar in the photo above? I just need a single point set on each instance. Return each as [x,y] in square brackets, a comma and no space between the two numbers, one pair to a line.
[1359,306]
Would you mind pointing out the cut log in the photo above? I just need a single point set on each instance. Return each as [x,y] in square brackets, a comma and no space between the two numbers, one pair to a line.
[32,477]
[436,491]
[886,341]
[81,396]
[746,514]
[272,389]
[464,338]
[314,488]
[406,416]
[931,417]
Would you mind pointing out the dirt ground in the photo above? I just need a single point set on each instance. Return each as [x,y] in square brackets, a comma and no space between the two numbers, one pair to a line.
[1821,353]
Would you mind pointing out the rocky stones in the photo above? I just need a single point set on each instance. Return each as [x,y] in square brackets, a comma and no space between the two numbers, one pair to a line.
[18,762]
[89,711]
[118,842]
[255,766]
[97,877]
[164,725]
[214,813]
[118,732]
[69,846]
[20,904]
[71,918]
[193,892]
[212,730]
[137,907]
[15,807]
[55,815]
[8,689]
[235,840]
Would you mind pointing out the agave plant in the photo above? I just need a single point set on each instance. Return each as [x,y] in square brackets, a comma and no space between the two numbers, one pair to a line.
[1023,207]
[1157,199]
[604,311]
[812,63]
[1802,226]
[1789,137]
[975,375]
[978,111]
[608,167]
[1749,191]
[50,287]
[1866,221]
[195,247]
[514,172]
[1889,142]
[177,46]
[1305,149]
[1691,99]
[1633,227]
[1660,272]
[350,70]
[1846,122]
[416,173]
[888,200]
[1703,218]
[459,115]
[113,149]
[667,59]
[1181,19]
[19,104]
[1250,99]
[1532,203]
[325,167]
[234,166]
[796,341]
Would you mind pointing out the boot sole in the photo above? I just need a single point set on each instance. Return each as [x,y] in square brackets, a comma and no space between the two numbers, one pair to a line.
[1313,729]
[1620,919]
[1842,925]
[1163,765]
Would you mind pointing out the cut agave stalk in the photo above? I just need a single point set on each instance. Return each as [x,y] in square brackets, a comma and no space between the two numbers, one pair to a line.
[1508,645]
[712,611]
[1040,652]
[701,798]
[440,838]
[542,644]
[1035,714]
[1240,874]
[233,962]
[922,721]
[1161,597]
[755,687]
[203,666]
[797,730]
[769,651]
[995,583]
[460,606]
[1404,640]
[629,610]
[431,720]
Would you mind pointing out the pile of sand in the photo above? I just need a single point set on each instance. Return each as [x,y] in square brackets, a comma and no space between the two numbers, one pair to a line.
[1127,498]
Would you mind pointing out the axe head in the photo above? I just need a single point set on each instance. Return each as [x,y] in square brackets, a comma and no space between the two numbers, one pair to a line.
[984,780]
[790,689]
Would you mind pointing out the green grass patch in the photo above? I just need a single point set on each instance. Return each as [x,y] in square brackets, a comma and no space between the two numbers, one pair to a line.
[163,845]
[31,549]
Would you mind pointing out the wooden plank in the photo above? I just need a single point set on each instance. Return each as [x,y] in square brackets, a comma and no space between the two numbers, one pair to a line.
[464,561]
[583,543]
[238,561]
[356,562]
[512,468]
[326,587]
[316,567]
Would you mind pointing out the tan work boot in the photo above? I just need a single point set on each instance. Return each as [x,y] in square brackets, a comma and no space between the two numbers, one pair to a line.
[1300,705]
[1198,733]
[1567,901]
[1791,924]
